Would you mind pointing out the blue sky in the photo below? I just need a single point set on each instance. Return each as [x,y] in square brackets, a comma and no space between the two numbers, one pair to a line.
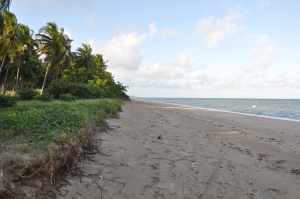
[192,48]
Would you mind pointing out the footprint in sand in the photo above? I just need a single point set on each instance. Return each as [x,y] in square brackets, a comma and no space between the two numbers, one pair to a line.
[295,171]
[276,165]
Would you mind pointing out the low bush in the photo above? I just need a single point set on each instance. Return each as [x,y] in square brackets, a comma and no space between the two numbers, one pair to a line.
[26,94]
[7,101]
[67,97]
[60,87]
[43,97]
[86,91]
[39,124]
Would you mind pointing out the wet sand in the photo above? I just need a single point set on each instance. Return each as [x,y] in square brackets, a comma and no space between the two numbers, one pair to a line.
[156,151]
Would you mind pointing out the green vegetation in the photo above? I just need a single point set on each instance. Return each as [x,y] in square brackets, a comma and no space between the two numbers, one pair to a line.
[51,100]
[26,94]
[42,67]
[7,101]
[37,61]
[41,123]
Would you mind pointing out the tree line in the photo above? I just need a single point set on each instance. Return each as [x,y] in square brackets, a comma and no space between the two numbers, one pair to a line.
[45,61]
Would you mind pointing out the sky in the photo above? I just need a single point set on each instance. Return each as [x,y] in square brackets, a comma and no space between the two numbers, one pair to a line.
[191,48]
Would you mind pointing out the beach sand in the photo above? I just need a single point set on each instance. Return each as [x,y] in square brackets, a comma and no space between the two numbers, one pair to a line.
[157,151]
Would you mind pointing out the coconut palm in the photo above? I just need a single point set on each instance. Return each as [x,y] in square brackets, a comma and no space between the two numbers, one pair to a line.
[7,38]
[23,43]
[55,48]
[84,56]
[4,6]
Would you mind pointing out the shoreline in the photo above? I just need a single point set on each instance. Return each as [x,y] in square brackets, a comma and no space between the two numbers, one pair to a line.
[218,110]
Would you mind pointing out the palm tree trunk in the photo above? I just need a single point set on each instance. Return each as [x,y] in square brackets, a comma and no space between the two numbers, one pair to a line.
[2,64]
[17,78]
[45,79]
[5,80]
[1,68]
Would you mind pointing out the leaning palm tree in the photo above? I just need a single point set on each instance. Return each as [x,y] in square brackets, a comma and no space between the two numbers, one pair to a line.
[54,47]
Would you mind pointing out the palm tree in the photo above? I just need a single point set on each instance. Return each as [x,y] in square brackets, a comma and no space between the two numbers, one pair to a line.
[84,56]
[23,42]
[7,38]
[4,6]
[55,47]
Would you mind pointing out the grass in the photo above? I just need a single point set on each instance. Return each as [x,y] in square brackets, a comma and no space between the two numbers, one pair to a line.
[39,124]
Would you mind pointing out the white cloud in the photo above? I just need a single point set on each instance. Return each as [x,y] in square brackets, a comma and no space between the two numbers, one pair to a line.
[214,30]
[152,29]
[68,33]
[184,75]
[123,51]
[176,74]
[263,53]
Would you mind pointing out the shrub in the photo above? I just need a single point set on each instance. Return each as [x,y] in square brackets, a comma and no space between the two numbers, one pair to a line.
[7,101]
[26,94]
[85,91]
[43,97]
[79,90]
[39,124]
[96,92]
[67,97]
[56,88]
[60,87]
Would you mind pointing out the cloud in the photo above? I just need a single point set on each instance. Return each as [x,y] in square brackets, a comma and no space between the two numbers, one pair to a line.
[152,29]
[123,52]
[68,33]
[264,52]
[178,73]
[166,70]
[214,30]
[186,75]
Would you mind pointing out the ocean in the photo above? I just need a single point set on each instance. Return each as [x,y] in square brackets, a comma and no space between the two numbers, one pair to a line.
[277,108]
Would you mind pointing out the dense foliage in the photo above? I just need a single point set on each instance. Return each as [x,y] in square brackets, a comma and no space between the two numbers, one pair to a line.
[27,94]
[45,61]
[7,101]
[42,123]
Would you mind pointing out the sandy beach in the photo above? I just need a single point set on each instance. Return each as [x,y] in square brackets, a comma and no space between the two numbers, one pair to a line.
[157,151]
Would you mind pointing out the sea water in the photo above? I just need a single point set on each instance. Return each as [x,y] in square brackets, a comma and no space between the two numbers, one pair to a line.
[279,108]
